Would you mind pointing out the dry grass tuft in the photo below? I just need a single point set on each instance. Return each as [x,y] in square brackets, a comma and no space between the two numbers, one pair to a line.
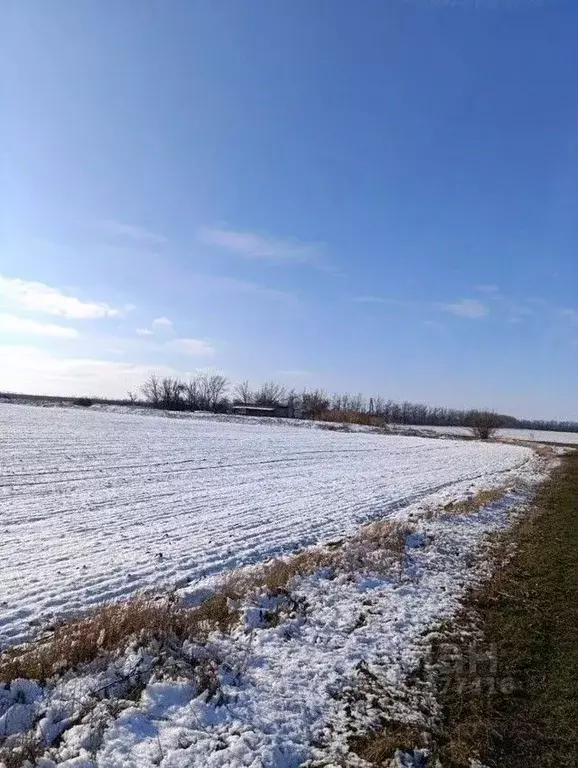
[379,748]
[357,553]
[377,547]
[545,451]
[388,535]
[214,613]
[275,576]
[110,629]
[477,502]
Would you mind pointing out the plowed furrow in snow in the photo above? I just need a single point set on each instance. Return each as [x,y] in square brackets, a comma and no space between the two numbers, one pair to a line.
[95,506]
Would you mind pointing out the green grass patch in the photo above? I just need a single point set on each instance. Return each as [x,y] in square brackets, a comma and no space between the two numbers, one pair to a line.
[513,702]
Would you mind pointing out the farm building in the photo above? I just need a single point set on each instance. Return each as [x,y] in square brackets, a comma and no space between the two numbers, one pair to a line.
[280,411]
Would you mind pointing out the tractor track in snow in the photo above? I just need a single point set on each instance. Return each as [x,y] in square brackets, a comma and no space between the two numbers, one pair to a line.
[197,496]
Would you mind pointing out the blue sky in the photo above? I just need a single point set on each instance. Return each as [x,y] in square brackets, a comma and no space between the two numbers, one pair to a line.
[378,196]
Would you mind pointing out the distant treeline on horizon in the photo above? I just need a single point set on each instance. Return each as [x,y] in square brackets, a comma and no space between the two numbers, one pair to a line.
[210,392]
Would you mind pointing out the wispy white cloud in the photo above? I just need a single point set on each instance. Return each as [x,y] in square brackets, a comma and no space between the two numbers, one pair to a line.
[516,310]
[470,308]
[25,326]
[33,370]
[192,347]
[41,298]
[162,323]
[132,232]
[158,325]
[251,245]
[501,306]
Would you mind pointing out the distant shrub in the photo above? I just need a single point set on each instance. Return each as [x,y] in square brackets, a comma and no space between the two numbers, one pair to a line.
[484,424]
[86,402]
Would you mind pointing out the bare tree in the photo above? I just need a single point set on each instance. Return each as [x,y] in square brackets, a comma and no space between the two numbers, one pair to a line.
[244,393]
[314,402]
[212,388]
[336,402]
[483,424]
[191,394]
[208,392]
[151,390]
[270,393]
[218,385]
[171,391]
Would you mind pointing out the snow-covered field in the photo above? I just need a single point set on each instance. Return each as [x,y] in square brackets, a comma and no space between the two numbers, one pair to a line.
[540,436]
[97,505]
[534,436]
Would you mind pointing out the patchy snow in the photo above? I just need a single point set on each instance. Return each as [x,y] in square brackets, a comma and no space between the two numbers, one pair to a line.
[283,688]
[531,435]
[99,505]
[18,706]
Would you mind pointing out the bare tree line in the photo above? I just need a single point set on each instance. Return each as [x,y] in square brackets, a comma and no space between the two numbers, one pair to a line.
[214,392]
[205,392]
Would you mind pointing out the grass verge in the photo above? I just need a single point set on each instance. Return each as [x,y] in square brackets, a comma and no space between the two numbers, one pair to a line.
[504,673]
[515,704]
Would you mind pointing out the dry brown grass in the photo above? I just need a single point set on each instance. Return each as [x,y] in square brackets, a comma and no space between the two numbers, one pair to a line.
[379,547]
[355,553]
[379,748]
[543,450]
[23,750]
[476,502]
[387,535]
[275,576]
[165,623]
[352,417]
[372,546]
[110,629]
